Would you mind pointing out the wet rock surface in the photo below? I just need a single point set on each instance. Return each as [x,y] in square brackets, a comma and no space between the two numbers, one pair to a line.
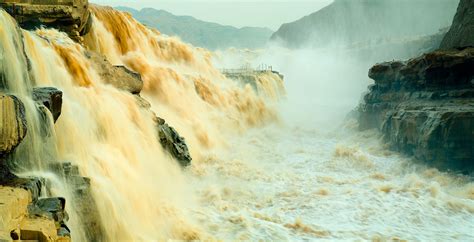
[461,33]
[169,138]
[173,143]
[425,107]
[118,76]
[85,204]
[12,123]
[51,98]
[27,216]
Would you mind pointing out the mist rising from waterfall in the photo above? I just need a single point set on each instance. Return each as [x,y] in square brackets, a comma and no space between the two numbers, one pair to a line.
[140,190]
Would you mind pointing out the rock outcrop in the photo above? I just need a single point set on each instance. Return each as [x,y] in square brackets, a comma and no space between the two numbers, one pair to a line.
[169,138]
[118,76]
[173,143]
[70,16]
[51,98]
[461,33]
[26,216]
[85,204]
[12,123]
[425,107]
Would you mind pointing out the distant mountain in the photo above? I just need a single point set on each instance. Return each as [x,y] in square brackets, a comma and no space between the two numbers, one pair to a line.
[200,33]
[352,22]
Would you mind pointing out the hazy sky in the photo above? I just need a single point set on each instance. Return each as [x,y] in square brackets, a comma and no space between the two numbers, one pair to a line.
[262,13]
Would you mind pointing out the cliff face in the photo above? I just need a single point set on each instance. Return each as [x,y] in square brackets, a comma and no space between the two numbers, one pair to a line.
[461,33]
[425,106]
[346,22]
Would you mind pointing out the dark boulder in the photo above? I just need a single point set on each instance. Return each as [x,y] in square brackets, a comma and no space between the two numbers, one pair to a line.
[52,208]
[169,138]
[51,98]
[173,143]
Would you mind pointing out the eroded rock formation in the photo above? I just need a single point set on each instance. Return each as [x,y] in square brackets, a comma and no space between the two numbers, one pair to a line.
[85,204]
[70,16]
[173,143]
[12,123]
[169,138]
[118,76]
[25,216]
[425,107]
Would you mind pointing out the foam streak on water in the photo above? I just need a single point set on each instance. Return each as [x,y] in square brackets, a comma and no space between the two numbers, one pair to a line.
[295,184]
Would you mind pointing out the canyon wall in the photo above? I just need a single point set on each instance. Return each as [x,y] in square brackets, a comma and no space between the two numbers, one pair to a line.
[425,106]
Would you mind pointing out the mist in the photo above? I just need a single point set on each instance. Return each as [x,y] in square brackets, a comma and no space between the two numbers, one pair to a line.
[148,137]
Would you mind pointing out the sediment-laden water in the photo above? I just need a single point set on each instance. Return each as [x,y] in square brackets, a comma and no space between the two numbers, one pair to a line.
[261,170]
[294,183]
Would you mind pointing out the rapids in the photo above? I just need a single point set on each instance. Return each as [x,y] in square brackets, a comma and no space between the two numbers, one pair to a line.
[260,171]
[300,184]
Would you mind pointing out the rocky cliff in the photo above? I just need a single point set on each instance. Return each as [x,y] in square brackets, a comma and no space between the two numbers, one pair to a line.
[347,22]
[461,33]
[28,211]
[425,107]
[24,215]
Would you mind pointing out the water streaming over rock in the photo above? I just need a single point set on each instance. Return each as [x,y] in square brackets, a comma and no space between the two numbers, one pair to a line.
[139,189]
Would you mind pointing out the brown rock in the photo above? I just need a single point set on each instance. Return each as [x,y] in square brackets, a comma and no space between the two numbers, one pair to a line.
[72,17]
[118,76]
[12,123]
[425,107]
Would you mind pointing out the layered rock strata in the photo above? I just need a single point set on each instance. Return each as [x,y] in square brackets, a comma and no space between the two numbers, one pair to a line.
[425,107]
[12,123]
[70,16]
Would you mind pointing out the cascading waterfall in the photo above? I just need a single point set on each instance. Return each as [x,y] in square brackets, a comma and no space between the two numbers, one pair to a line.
[140,191]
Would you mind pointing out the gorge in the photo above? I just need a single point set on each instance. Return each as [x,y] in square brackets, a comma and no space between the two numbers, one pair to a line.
[112,131]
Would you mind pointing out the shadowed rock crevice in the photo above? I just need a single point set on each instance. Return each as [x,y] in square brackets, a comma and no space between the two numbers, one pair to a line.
[51,98]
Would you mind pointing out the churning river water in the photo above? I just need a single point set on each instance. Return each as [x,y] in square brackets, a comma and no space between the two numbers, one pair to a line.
[301,184]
